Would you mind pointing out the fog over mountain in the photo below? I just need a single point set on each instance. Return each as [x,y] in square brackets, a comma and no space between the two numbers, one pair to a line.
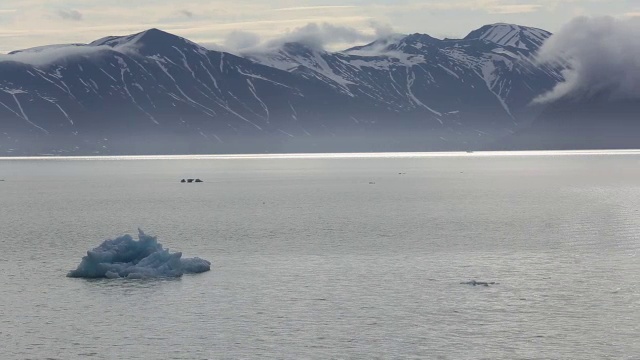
[597,106]
[603,55]
[156,93]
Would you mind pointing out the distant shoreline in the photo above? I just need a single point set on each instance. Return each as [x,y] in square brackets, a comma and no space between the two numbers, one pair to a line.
[377,155]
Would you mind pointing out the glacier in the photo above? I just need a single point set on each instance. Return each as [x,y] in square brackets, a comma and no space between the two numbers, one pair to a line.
[124,257]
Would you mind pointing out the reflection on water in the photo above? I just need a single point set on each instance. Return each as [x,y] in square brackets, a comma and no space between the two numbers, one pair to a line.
[124,283]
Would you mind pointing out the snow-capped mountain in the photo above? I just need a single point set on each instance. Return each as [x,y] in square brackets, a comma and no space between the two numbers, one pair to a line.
[154,92]
[521,37]
[484,82]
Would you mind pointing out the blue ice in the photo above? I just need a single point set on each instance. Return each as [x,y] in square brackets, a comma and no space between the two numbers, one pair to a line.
[125,257]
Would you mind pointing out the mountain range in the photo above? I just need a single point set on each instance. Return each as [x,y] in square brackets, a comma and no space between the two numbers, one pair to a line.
[157,93]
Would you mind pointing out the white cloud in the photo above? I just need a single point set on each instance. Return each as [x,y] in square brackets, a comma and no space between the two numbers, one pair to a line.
[46,55]
[514,9]
[604,56]
[318,36]
[70,14]
[316,8]
[240,40]
[187,13]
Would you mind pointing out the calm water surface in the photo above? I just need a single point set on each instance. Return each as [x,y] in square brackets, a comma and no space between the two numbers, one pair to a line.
[310,260]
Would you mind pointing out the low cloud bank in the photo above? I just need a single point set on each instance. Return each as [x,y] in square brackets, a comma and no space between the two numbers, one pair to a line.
[240,40]
[317,36]
[50,54]
[603,55]
[124,257]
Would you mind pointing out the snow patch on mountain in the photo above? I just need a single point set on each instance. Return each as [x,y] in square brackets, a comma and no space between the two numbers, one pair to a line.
[510,35]
[293,56]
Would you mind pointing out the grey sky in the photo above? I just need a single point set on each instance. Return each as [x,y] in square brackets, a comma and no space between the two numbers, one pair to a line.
[28,23]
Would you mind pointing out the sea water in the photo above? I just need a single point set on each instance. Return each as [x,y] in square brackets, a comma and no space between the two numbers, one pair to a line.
[328,256]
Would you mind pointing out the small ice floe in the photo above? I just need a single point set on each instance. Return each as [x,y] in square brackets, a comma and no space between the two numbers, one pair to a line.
[124,257]
[478,283]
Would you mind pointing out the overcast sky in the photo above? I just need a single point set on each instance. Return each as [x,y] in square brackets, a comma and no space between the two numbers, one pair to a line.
[28,23]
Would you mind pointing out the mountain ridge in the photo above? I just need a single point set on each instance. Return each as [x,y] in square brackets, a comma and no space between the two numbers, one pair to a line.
[155,92]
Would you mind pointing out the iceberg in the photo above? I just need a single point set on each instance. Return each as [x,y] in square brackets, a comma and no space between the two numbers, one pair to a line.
[125,257]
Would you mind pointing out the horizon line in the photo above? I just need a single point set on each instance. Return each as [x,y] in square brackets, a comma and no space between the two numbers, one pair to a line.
[311,156]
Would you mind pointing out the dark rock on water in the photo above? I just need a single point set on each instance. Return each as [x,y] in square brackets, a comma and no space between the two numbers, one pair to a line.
[183,181]
[199,181]
[478,283]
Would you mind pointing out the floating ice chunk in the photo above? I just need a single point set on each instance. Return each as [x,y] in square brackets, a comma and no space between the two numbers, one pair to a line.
[124,257]
[195,265]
